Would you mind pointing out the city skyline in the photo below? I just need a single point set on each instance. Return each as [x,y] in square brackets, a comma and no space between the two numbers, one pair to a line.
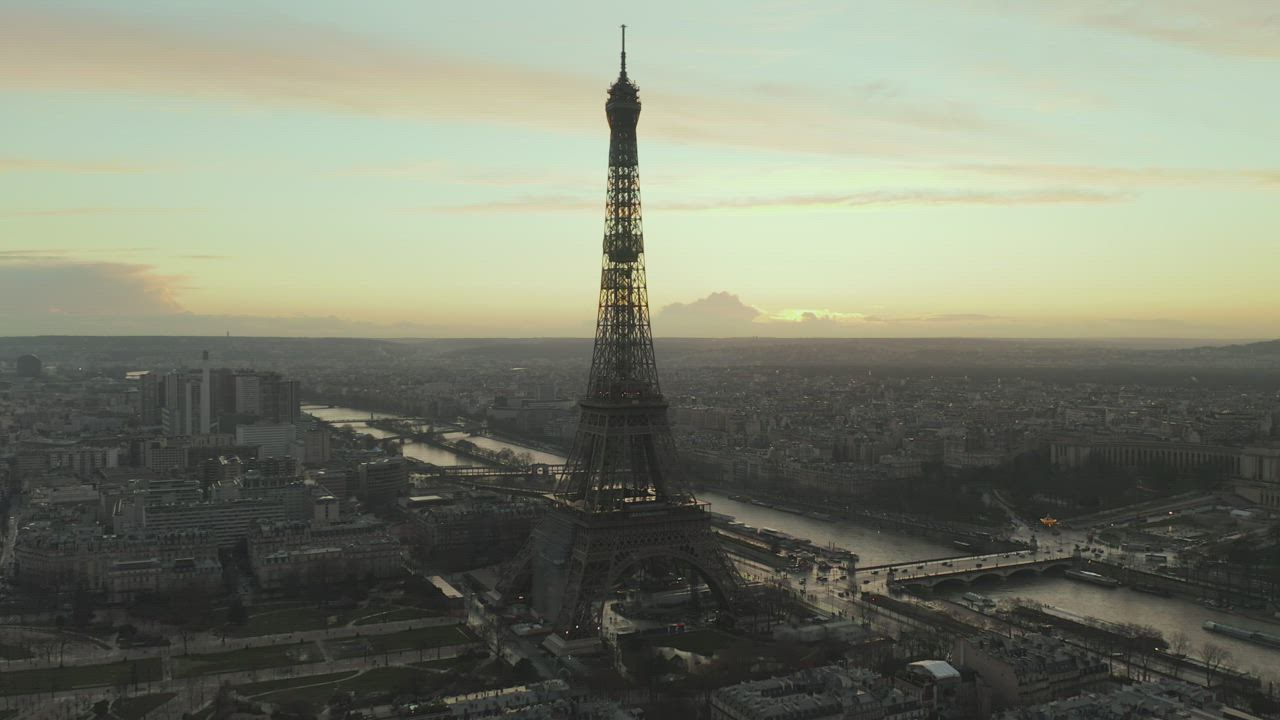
[813,170]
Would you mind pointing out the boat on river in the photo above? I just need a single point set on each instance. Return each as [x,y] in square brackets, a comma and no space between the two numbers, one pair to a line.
[1092,578]
[978,601]
[1253,636]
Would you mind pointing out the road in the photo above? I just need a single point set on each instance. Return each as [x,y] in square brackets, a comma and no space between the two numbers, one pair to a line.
[205,643]
[193,693]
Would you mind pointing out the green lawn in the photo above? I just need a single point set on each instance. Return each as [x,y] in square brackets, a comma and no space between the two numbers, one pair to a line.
[5,714]
[344,649]
[421,638]
[417,639]
[258,688]
[404,613]
[275,621]
[254,658]
[136,708]
[442,663]
[21,682]
[13,652]
[393,680]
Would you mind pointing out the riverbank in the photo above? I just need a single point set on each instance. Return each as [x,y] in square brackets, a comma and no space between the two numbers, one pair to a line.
[441,452]
[965,539]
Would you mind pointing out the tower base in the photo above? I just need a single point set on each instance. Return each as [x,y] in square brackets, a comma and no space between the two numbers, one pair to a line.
[575,558]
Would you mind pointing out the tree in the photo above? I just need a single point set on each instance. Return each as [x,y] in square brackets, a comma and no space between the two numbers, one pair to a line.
[236,613]
[1214,656]
[1179,644]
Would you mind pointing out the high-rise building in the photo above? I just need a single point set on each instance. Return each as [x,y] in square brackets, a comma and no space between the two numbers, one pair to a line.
[190,402]
[382,481]
[151,392]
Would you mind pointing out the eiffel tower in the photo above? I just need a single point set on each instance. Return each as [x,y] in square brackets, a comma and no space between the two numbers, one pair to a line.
[620,501]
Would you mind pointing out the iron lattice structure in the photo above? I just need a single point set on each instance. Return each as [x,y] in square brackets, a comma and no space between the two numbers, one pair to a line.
[623,452]
[620,500]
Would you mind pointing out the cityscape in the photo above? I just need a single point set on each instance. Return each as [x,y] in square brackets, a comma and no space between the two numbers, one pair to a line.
[686,509]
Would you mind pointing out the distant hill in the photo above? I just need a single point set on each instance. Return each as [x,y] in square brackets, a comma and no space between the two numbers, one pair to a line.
[1266,347]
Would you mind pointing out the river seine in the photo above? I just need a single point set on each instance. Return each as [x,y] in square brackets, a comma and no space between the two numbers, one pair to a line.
[1120,605]
[876,547]
[429,453]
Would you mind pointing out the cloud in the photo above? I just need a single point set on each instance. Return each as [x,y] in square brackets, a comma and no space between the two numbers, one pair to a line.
[74,211]
[430,168]
[205,257]
[1240,28]
[1245,28]
[66,254]
[187,323]
[800,315]
[958,317]
[531,203]
[719,314]
[13,164]
[37,288]
[304,67]
[917,198]
[1095,175]
[725,314]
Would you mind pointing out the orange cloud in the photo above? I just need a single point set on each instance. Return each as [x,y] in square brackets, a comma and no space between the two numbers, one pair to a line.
[303,67]
[917,198]
[14,164]
[1094,175]
[1244,28]
[72,211]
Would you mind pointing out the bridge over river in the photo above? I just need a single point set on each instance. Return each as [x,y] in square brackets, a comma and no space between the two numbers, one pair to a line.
[975,567]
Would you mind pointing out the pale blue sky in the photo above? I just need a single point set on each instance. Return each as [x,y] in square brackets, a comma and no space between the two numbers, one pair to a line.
[916,167]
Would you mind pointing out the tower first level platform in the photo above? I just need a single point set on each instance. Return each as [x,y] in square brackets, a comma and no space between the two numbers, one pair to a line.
[578,558]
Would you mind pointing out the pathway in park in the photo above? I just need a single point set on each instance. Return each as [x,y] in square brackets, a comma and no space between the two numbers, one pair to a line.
[193,693]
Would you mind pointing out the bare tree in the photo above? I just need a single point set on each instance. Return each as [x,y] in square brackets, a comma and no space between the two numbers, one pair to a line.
[1179,644]
[1214,656]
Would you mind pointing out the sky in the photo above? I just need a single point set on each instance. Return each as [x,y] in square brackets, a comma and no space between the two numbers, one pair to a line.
[914,168]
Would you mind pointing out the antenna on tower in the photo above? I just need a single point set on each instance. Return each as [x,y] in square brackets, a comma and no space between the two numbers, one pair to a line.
[624,51]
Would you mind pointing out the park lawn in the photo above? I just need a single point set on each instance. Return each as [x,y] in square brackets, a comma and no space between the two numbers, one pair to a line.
[421,638]
[5,714]
[254,658]
[299,619]
[348,648]
[443,664]
[137,707]
[396,614]
[22,682]
[13,652]
[258,688]
[394,680]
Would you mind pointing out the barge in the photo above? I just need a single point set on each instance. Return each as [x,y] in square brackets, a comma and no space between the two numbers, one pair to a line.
[1093,578]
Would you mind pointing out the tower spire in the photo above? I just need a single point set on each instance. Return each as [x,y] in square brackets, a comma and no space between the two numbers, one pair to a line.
[624,53]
